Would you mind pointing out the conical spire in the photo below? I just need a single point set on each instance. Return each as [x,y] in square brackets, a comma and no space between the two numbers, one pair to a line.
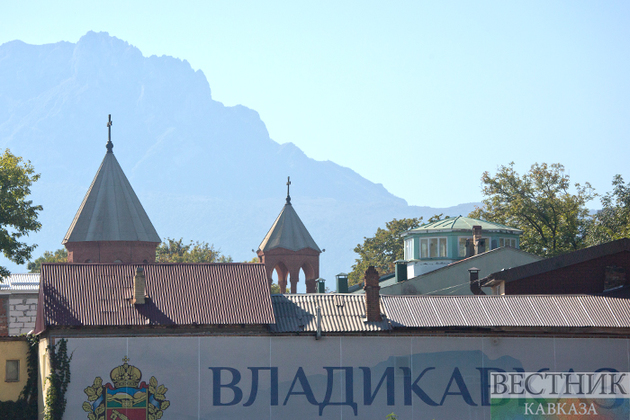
[288,231]
[111,210]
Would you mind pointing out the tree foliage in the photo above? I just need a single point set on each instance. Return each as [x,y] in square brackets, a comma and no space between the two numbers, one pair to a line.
[381,250]
[18,215]
[58,256]
[176,251]
[553,219]
[613,220]
[275,289]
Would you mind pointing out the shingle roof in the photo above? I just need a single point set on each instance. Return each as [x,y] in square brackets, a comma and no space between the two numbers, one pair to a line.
[554,311]
[288,232]
[339,313]
[89,295]
[27,282]
[555,263]
[111,210]
[463,224]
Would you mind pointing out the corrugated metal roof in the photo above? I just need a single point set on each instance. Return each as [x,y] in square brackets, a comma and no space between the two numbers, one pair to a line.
[568,311]
[288,232]
[465,224]
[111,210]
[179,294]
[339,313]
[27,282]
[555,263]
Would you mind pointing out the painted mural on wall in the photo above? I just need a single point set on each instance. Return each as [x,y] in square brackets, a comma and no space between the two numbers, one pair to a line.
[126,398]
[332,378]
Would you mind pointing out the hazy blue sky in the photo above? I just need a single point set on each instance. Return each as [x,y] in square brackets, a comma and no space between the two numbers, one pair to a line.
[419,96]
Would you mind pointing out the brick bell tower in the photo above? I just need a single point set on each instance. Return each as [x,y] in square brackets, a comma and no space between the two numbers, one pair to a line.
[111,226]
[287,248]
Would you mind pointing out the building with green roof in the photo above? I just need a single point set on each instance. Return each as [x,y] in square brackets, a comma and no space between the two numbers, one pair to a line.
[437,244]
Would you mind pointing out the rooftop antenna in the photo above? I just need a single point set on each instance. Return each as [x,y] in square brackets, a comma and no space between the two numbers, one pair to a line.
[109,145]
[288,184]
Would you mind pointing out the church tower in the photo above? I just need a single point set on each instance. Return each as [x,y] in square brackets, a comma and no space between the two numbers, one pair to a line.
[287,248]
[111,226]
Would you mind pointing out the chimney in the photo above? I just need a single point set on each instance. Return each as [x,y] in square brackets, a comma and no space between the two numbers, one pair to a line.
[479,243]
[342,283]
[400,270]
[372,300]
[139,287]
[475,287]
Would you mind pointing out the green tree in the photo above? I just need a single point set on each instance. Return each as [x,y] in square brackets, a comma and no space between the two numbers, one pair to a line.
[553,220]
[175,251]
[275,289]
[613,220]
[18,215]
[385,247]
[60,255]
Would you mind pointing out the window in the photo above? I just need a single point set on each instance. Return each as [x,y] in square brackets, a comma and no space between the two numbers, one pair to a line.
[461,245]
[12,372]
[433,248]
[511,242]
[409,249]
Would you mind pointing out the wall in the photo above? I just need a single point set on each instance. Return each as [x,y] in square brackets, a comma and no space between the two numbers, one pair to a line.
[12,349]
[43,370]
[4,316]
[22,313]
[587,277]
[336,377]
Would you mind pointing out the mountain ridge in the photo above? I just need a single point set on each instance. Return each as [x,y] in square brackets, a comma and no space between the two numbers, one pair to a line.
[202,170]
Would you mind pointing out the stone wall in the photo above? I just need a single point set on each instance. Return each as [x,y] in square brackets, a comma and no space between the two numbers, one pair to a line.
[22,313]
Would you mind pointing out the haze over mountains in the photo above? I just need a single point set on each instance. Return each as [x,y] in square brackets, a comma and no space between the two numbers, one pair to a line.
[203,171]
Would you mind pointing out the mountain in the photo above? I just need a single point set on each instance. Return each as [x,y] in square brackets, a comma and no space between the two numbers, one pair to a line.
[203,171]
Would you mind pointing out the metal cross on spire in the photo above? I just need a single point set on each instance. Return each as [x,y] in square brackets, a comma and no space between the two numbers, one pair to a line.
[109,145]
[288,184]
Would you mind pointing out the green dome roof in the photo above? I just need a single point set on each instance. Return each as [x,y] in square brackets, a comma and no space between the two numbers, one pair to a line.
[463,224]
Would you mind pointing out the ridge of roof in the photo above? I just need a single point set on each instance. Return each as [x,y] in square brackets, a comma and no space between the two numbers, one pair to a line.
[111,211]
[288,232]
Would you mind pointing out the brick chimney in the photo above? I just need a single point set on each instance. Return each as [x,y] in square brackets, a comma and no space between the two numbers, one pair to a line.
[372,300]
[139,287]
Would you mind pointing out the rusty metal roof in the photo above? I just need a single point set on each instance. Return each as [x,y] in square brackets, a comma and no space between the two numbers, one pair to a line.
[88,295]
[559,311]
[555,263]
[339,313]
[20,283]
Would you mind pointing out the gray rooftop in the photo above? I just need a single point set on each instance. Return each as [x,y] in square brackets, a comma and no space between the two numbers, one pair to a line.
[111,210]
[288,232]
[339,313]
[25,283]
[541,311]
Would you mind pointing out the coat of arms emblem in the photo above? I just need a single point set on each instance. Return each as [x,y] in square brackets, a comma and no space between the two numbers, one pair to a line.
[127,398]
